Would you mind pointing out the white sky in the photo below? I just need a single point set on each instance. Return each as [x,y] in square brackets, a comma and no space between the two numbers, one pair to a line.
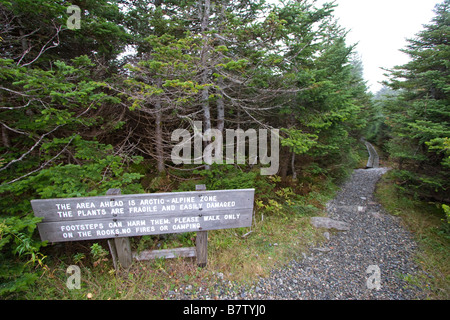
[381,28]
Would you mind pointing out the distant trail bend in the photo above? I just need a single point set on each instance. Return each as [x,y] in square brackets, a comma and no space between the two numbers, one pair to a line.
[371,258]
[374,159]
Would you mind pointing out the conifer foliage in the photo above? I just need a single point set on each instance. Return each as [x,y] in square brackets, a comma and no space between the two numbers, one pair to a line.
[80,109]
[419,116]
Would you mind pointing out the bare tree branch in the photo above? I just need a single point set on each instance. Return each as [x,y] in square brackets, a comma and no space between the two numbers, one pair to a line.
[30,150]
[43,49]
[42,166]
[13,130]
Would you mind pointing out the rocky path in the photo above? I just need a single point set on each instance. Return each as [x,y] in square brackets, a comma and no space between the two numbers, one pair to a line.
[369,257]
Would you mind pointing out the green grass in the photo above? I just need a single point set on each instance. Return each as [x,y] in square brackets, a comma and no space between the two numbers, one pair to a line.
[272,242]
[429,225]
[280,232]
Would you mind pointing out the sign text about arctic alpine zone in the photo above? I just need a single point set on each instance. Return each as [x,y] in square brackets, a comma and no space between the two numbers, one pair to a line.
[73,219]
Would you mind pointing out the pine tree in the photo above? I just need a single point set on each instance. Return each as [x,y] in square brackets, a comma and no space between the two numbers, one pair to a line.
[420,117]
[52,111]
[321,119]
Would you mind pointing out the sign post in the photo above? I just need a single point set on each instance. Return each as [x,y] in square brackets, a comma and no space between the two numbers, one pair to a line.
[201,243]
[120,248]
[118,217]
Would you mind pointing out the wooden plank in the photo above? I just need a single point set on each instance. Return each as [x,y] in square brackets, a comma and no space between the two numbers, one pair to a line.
[201,242]
[106,228]
[123,249]
[140,205]
[201,245]
[112,250]
[116,216]
[111,244]
[165,253]
[120,248]
[374,160]
[200,187]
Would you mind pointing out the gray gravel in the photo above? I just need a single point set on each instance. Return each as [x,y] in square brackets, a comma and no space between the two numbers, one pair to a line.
[338,269]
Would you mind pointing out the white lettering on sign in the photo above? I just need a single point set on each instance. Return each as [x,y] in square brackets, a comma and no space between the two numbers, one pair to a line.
[65,214]
[67,235]
[186,219]
[225,204]
[115,224]
[87,213]
[135,215]
[111,204]
[160,221]
[63,206]
[135,223]
[150,201]
[85,205]
[145,229]
[231,216]
[82,227]
[117,211]
[208,198]
[142,209]
[84,234]
[211,218]
[183,200]
[113,232]
[190,206]
[186,226]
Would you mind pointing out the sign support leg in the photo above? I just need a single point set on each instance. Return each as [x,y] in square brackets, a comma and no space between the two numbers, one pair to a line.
[201,246]
[120,248]
[201,243]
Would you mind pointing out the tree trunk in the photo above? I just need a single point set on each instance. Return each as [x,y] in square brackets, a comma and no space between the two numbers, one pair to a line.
[294,174]
[220,100]
[5,137]
[160,166]
[284,163]
[158,128]
[220,108]
[205,11]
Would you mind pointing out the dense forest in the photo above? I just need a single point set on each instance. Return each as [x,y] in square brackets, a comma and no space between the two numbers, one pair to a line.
[91,93]
[415,112]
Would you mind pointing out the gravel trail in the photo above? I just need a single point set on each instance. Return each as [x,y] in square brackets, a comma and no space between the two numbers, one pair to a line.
[342,267]
[348,264]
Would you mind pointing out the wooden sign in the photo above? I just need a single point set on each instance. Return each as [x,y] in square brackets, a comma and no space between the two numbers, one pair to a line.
[111,216]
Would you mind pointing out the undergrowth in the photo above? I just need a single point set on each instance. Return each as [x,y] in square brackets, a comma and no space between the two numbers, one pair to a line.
[280,231]
[431,229]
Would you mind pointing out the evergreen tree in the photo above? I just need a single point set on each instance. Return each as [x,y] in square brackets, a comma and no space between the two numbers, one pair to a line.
[52,111]
[420,117]
[75,119]
[322,122]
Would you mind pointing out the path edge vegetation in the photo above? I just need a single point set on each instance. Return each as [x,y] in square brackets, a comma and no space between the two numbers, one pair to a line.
[280,232]
[76,123]
[431,230]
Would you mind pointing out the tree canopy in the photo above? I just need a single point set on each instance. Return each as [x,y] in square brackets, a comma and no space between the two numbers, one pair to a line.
[84,110]
[418,116]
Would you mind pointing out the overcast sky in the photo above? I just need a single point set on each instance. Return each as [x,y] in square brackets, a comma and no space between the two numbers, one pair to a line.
[381,28]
